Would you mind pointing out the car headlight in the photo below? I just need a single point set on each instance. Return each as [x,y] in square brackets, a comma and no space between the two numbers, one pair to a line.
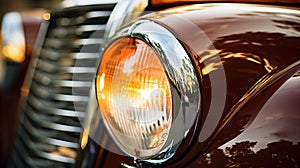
[144,79]
[135,96]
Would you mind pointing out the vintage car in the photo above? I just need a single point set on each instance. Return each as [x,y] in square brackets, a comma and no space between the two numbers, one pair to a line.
[163,83]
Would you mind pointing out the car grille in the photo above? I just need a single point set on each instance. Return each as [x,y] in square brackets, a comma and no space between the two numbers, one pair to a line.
[58,93]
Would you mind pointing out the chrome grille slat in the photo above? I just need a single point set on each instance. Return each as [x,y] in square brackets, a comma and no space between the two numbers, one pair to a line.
[46,138]
[26,160]
[43,150]
[71,21]
[47,93]
[71,43]
[97,14]
[65,83]
[52,67]
[52,118]
[47,154]
[54,55]
[75,31]
[90,29]
[42,105]
[49,133]
[49,78]
[52,125]
[53,109]
[79,70]
[59,87]
[46,80]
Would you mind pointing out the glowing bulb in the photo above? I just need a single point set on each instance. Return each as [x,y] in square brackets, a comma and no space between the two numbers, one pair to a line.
[134,96]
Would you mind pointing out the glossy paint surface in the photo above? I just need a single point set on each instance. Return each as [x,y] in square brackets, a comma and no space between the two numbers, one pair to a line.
[243,54]
[271,140]
[172,2]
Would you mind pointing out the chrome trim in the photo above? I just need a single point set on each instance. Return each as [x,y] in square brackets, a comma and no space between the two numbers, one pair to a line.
[53,67]
[51,108]
[57,43]
[79,30]
[89,28]
[55,55]
[52,125]
[55,93]
[66,21]
[61,83]
[124,12]
[46,93]
[65,83]
[46,154]
[48,139]
[97,14]
[74,3]
[182,76]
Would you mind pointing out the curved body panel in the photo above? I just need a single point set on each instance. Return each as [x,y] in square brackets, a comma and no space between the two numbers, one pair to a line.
[174,2]
[271,140]
[243,55]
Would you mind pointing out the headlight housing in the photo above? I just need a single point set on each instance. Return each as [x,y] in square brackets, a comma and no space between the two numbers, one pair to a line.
[144,80]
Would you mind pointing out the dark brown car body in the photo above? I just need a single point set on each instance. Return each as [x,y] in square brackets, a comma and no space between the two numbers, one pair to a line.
[247,58]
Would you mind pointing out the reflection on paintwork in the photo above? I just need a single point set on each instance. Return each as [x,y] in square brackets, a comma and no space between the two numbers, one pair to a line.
[251,67]
[172,2]
[212,55]
[277,154]
[246,56]
[212,61]
[254,52]
[271,136]
[277,119]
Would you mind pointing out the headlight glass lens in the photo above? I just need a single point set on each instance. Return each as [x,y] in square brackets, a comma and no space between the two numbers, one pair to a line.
[134,96]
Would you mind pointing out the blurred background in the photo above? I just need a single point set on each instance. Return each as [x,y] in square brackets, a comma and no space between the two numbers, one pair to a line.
[9,96]
[12,5]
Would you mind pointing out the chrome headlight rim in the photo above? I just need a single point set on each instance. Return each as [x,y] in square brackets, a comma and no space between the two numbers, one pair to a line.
[181,75]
